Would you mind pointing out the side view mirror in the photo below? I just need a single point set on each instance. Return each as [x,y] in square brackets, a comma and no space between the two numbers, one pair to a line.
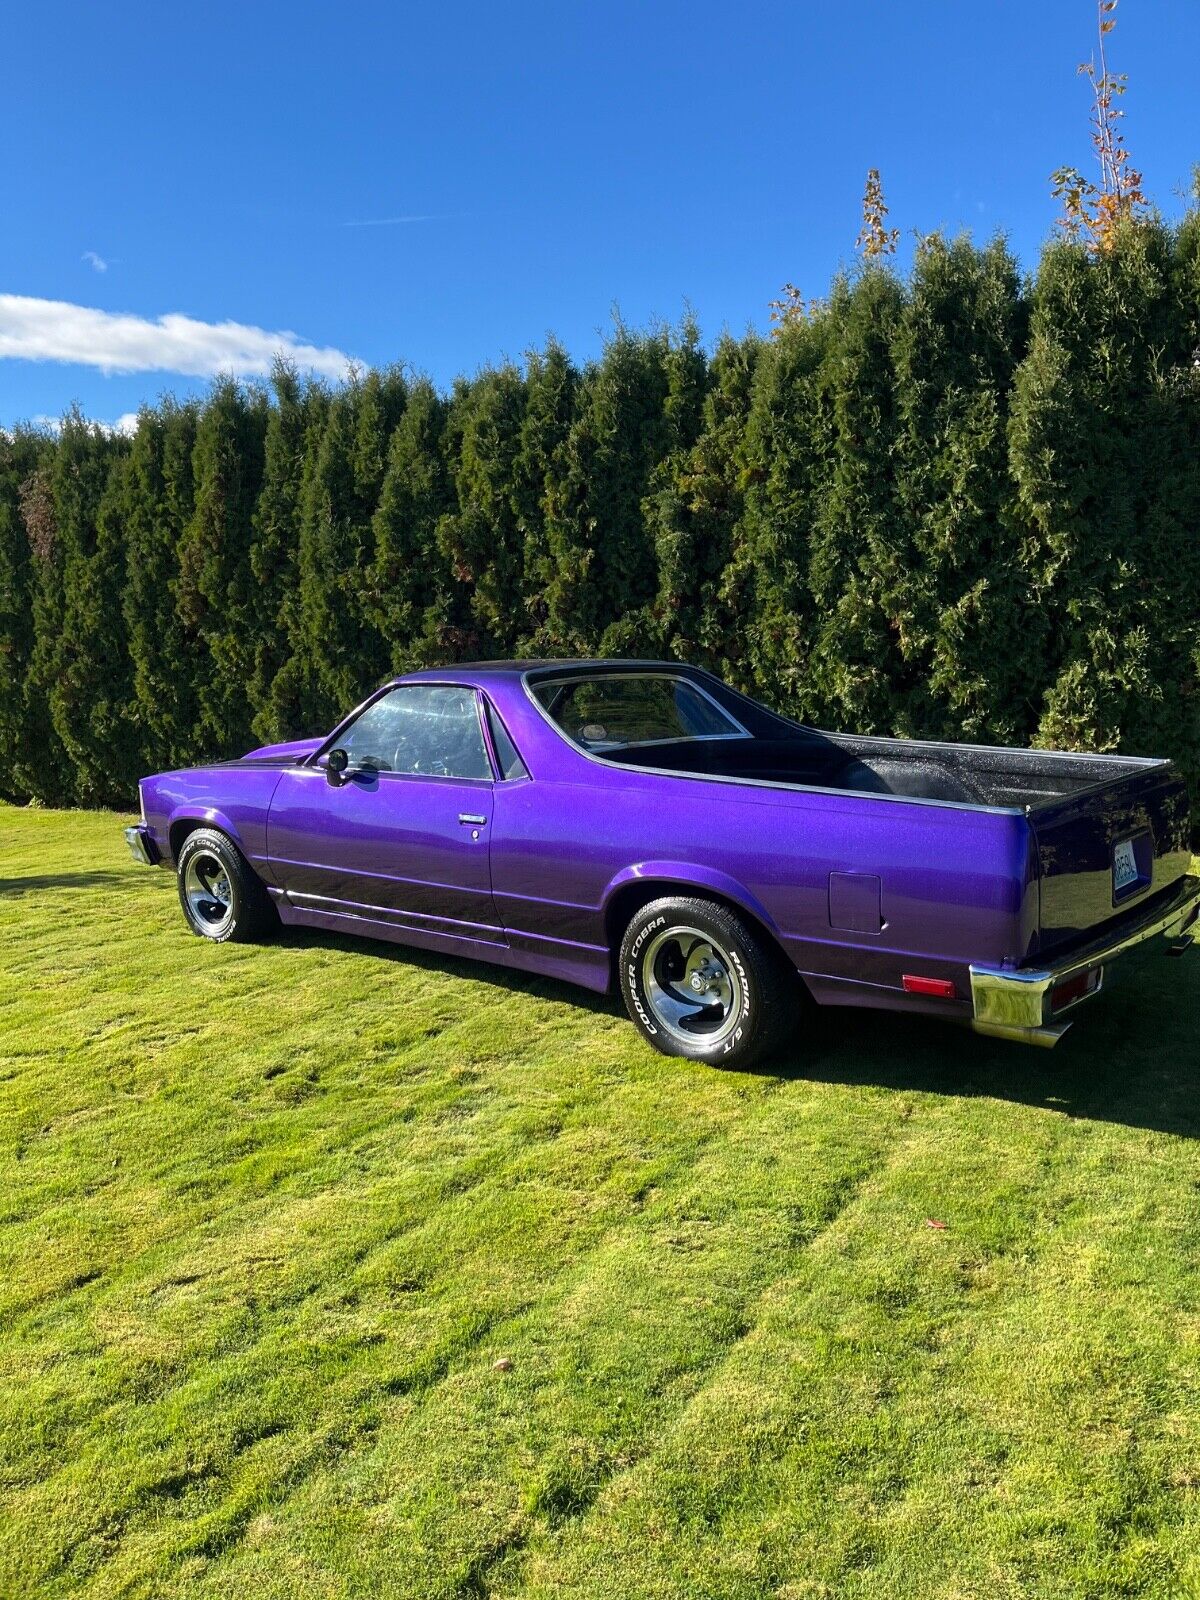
[340,769]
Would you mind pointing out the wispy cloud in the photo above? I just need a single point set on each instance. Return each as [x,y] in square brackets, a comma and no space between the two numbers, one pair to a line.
[97,262]
[391,222]
[126,423]
[55,330]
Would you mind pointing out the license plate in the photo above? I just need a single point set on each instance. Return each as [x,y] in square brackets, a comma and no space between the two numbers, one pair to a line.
[1125,867]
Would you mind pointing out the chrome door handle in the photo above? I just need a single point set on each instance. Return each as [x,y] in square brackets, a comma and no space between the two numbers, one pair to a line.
[470,820]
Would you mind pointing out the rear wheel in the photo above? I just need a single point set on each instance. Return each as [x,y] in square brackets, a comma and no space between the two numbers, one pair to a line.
[222,898]
[698,982]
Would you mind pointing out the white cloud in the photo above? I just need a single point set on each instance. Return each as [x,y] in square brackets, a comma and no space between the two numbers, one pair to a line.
[125,424]
[98,263]
[55,330]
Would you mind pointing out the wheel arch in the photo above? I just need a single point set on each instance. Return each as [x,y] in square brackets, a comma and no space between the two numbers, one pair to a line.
[638,886]
[188,818]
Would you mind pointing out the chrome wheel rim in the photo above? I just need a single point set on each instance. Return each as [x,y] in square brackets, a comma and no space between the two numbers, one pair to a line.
[693,988]
[208,891]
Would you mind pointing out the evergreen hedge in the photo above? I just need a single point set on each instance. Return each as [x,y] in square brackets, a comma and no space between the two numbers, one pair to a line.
[957,504]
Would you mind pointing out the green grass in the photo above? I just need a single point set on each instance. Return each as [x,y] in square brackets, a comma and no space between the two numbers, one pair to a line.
[270,1215]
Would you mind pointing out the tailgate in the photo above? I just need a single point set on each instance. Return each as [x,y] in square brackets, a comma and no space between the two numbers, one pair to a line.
[1107,850]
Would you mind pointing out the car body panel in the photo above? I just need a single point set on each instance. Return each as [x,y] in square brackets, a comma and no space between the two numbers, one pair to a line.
[858,890]
[393,846]
[234,797]
[281,754]
[1074,840]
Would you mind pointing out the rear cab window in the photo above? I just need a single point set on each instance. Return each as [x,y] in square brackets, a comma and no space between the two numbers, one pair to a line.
[621,710]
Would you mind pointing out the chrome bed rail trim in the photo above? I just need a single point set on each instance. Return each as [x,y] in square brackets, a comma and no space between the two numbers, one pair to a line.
[755,783]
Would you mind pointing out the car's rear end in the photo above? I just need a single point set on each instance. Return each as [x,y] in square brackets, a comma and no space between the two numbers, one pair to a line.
[1112,863]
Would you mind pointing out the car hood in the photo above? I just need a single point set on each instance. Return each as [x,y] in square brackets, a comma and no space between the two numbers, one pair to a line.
[282,754]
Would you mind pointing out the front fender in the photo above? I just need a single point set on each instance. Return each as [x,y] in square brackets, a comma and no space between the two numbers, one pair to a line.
[686,875]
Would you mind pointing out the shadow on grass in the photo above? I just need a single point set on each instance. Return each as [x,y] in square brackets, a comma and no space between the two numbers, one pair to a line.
[63,880]
[1133,1056]
[477,970]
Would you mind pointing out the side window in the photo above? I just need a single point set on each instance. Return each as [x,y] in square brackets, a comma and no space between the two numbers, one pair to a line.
[511,765]
[420,728]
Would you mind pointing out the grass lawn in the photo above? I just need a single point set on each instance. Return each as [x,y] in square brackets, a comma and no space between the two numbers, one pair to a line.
[270,1217]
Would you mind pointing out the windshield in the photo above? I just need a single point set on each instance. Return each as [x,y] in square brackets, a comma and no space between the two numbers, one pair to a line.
[613,711]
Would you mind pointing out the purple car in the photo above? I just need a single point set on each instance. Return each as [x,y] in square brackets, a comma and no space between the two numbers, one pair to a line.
[644,824]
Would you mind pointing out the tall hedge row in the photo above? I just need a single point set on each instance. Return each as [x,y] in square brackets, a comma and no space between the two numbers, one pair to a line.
[955,504]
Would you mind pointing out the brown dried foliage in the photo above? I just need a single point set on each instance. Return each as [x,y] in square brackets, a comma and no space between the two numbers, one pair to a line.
[37,512]
[875,238]
[1094,212]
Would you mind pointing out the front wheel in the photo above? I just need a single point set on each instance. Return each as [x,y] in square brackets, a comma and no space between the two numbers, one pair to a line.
[221,896]
[698,982]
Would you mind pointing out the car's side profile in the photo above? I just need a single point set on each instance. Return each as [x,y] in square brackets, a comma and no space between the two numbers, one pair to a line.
[642,823]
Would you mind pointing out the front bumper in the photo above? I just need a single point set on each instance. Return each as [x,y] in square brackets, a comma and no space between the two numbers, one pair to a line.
[1018,1004]
[141,845]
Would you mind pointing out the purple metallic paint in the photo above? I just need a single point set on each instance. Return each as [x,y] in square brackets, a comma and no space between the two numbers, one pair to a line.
[533,885]
[297,748]
[399,851]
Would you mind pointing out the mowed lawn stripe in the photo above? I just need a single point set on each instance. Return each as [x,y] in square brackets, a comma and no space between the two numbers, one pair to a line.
[1006,1406]
[157,1332]
[271,1214]
[601,1363]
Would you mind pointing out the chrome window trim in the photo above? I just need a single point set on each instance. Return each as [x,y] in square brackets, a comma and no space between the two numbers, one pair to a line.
[760,783]
[488,712]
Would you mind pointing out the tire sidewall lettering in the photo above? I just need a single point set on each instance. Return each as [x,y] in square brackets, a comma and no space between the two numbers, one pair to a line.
[631,973]
[232,874]
[637,1004]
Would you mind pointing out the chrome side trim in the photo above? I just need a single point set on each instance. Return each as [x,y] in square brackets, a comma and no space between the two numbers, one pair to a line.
[1015,1004]
[394,917]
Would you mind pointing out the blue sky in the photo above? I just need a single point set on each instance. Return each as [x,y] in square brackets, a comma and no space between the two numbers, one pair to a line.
[444,185]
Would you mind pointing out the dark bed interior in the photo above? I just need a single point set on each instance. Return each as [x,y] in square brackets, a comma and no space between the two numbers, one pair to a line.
[772,748]
[969,775]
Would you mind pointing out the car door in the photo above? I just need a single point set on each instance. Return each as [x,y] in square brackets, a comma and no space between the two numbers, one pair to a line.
[402,837]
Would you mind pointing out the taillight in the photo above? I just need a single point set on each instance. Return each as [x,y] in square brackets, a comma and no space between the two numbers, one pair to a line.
[939,988]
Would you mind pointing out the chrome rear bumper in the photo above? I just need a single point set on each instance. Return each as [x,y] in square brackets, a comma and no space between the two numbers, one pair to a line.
[1017,1003]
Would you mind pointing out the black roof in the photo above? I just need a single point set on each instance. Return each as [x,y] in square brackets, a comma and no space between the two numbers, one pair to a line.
[552,663]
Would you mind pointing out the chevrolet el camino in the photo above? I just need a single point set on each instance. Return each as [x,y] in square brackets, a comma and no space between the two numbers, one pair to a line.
[643,824]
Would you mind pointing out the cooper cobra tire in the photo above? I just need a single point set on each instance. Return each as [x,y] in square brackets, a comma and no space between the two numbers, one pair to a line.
[698,982]
[222,898]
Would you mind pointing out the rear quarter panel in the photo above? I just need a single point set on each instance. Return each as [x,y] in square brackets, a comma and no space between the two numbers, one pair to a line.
[957,885]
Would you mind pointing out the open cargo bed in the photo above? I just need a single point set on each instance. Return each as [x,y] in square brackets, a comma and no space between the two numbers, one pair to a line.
[908,768]
[1099,840]
[1109,832]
